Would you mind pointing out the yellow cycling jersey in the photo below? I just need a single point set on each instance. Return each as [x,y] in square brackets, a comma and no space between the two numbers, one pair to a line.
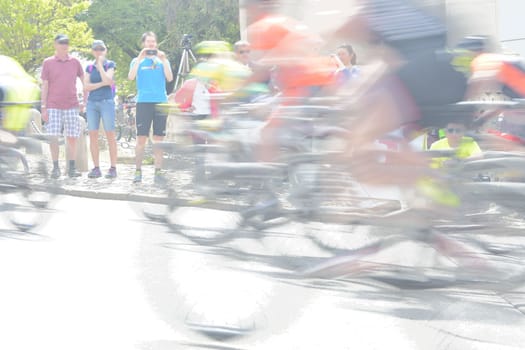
[21,90]
[468,147]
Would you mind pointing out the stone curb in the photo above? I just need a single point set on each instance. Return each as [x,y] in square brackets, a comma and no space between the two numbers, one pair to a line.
[144,198]
[132,197]
[208,204]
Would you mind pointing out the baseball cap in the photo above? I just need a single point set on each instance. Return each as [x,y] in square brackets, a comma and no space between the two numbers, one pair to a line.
[98,43]
[61,38]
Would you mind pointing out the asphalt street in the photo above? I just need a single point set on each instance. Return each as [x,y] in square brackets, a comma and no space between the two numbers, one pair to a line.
[98,275]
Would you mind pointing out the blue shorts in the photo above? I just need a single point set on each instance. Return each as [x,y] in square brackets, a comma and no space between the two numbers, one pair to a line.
[103,109]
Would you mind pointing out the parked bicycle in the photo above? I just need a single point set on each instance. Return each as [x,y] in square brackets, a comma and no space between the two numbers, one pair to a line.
[126,130]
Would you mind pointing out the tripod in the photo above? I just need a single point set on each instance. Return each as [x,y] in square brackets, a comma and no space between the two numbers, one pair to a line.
[184,66]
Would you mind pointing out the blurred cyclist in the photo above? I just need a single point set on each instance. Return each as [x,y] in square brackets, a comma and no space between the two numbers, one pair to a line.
[242,51]
[418,80]
[291,51]
[19,90]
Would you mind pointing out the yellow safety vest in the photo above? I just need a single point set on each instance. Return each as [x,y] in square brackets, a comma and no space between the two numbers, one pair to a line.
[468,147]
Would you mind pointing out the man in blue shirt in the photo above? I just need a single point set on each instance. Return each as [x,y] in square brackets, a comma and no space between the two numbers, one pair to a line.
[151,69]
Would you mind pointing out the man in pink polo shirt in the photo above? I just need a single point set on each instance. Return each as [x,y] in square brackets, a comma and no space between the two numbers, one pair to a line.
[60,106]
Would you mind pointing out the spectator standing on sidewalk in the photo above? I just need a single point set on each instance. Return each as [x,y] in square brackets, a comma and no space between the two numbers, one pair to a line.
[242,52]
[98,84]
[152,70]
[347,61]
[60,105]
[464,146]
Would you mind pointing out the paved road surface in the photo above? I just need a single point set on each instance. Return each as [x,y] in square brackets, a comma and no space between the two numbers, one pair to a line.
[97,275]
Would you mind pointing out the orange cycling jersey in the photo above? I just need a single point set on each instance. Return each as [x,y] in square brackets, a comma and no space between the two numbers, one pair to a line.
[290,46]
[508,70]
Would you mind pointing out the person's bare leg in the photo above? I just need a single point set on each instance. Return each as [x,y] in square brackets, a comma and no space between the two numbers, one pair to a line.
[112,145]
[93,147]
[139,150]
[72,147]
[268,147]
[53,147]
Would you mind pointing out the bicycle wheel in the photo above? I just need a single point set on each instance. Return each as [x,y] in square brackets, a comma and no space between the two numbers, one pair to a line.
[222,223]
[219,227]
[339,238]
[13,163]
[27,193]
[23,209]
[26,205]
[211,292]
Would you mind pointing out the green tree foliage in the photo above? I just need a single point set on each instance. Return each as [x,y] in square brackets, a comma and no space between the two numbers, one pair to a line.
[28,28]
[121,23]
[204,19]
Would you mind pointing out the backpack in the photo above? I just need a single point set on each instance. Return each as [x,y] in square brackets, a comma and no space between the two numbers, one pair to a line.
[113,86]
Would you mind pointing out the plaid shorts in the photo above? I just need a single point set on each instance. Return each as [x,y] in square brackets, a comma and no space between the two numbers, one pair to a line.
[63,121]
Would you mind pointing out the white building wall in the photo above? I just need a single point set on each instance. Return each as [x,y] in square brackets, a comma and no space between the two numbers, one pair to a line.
[471,17]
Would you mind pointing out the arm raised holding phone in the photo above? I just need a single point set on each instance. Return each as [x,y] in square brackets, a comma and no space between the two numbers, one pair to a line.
[151,69]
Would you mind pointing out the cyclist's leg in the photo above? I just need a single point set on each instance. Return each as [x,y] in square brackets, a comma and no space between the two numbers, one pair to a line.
[273,132]
[385,108]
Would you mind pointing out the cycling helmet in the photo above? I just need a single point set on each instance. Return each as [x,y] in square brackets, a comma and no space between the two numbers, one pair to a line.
[476,43]
[209,47]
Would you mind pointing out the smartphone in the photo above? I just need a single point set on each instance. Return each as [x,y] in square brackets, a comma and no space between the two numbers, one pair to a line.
[151,52]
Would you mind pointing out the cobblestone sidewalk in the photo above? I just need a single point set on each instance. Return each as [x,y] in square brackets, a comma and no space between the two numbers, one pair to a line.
[121,187]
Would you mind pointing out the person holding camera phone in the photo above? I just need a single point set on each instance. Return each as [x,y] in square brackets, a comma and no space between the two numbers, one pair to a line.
[152,70]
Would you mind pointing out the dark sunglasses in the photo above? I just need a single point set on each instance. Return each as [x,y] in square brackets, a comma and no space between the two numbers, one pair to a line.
[63,42]
[244,51]
[99,49]
[455,130]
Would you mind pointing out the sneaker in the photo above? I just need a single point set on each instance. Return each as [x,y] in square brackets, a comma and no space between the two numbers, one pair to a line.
[160,179]
[112,173]
[55,173]
[94,173]
[138,176]
[73,173]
